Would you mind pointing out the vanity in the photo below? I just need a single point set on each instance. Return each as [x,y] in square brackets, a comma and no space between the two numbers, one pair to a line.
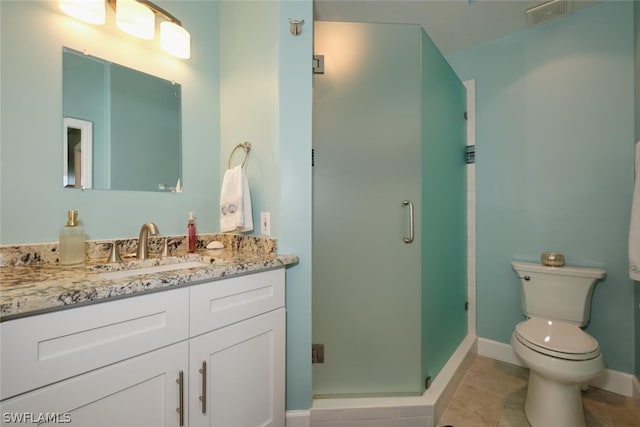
[201,344]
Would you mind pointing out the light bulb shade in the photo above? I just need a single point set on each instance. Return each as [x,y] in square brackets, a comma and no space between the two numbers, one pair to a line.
[91,11]
[135,18]
[175,40]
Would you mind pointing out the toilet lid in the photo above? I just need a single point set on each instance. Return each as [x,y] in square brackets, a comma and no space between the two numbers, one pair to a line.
[557,338]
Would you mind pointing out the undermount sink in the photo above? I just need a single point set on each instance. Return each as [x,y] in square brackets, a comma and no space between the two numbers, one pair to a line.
[140,267]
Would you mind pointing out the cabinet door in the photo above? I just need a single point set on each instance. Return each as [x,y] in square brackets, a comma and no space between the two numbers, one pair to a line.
[138,392]
[244,375]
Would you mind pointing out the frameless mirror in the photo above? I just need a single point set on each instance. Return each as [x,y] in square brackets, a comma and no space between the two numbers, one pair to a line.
[121,127]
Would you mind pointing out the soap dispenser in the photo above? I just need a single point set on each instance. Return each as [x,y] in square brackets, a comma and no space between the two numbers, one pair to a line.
[71,244]
[191,234]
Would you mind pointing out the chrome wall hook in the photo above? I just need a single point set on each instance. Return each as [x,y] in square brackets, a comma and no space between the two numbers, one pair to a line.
[295,26]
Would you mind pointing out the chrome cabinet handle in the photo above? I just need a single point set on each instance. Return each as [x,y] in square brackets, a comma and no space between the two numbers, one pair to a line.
[203,396]
[409,239]
[180,408]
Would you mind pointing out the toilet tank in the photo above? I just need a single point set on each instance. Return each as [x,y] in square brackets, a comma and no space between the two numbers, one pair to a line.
[561,293]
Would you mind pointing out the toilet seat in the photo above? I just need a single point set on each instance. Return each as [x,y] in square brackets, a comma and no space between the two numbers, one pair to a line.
[557,338]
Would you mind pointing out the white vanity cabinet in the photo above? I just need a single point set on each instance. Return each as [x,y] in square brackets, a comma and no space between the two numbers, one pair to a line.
[239,380]
[216,350]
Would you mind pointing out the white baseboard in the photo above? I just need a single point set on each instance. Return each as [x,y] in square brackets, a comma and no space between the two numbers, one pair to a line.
[298,418]
[499,351]
[614,381]
[610,380]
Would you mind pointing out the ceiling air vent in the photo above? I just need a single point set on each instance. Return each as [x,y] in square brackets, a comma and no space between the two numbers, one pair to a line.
[548,11]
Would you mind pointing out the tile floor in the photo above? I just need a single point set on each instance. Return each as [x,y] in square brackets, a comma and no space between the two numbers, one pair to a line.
[492,394]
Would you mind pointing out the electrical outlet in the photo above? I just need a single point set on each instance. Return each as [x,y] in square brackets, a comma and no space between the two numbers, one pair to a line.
[265,223]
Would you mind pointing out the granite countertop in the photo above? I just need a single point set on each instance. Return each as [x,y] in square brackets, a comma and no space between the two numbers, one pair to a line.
[34,289]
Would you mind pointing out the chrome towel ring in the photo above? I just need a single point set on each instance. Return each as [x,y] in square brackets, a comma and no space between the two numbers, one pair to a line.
[246,146]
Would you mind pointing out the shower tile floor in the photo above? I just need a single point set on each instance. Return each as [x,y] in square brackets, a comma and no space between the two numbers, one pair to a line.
[492,394]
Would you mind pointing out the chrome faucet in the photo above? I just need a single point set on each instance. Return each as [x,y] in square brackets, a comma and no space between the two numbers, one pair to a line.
[146,228]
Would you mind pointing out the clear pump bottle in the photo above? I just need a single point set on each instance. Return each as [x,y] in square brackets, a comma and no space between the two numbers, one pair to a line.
[71,244]
[191,234]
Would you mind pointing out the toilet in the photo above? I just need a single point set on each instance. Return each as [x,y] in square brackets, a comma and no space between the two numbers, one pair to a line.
[561,357]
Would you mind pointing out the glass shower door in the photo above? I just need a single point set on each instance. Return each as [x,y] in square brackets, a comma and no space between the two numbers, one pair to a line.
[367,145]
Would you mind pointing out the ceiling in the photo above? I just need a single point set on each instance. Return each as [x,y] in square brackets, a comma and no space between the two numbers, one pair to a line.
[451,24]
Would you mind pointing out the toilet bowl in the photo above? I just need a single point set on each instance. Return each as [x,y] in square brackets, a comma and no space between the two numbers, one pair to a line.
[561,357]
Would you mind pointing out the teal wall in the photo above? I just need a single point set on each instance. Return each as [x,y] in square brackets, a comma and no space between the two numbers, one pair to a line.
[295,192]
[266,99]
[636,40]
[33,203]
[261,93]
[555,127]
[636,44]
[249,98]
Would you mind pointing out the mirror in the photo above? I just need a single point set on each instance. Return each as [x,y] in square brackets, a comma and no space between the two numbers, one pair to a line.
[121,127]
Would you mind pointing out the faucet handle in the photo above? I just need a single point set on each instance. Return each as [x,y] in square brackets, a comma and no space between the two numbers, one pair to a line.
[114,253]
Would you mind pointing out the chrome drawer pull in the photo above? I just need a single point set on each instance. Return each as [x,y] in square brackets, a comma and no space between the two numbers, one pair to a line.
[203,396]
[180,408]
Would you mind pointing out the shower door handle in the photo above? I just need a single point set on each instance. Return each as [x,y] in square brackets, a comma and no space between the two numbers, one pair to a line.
[409,203]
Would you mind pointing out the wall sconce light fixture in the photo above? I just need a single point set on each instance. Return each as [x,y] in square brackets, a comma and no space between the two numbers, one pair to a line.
[91,11]
[175,40]
[137,18]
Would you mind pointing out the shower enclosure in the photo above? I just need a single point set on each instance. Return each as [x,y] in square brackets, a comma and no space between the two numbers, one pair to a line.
[389,210]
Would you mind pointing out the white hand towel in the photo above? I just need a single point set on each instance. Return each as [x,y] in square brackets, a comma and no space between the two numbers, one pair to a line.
[235,201]
[634,229]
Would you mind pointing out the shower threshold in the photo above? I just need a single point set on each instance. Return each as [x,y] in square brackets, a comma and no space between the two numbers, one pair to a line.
[426,408]
[363,395]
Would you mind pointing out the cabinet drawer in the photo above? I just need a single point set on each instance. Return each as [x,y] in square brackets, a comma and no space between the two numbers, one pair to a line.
[46,348]
[219,303]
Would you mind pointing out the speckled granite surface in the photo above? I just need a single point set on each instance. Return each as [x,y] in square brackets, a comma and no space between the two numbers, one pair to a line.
[38,286]
[98,250]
